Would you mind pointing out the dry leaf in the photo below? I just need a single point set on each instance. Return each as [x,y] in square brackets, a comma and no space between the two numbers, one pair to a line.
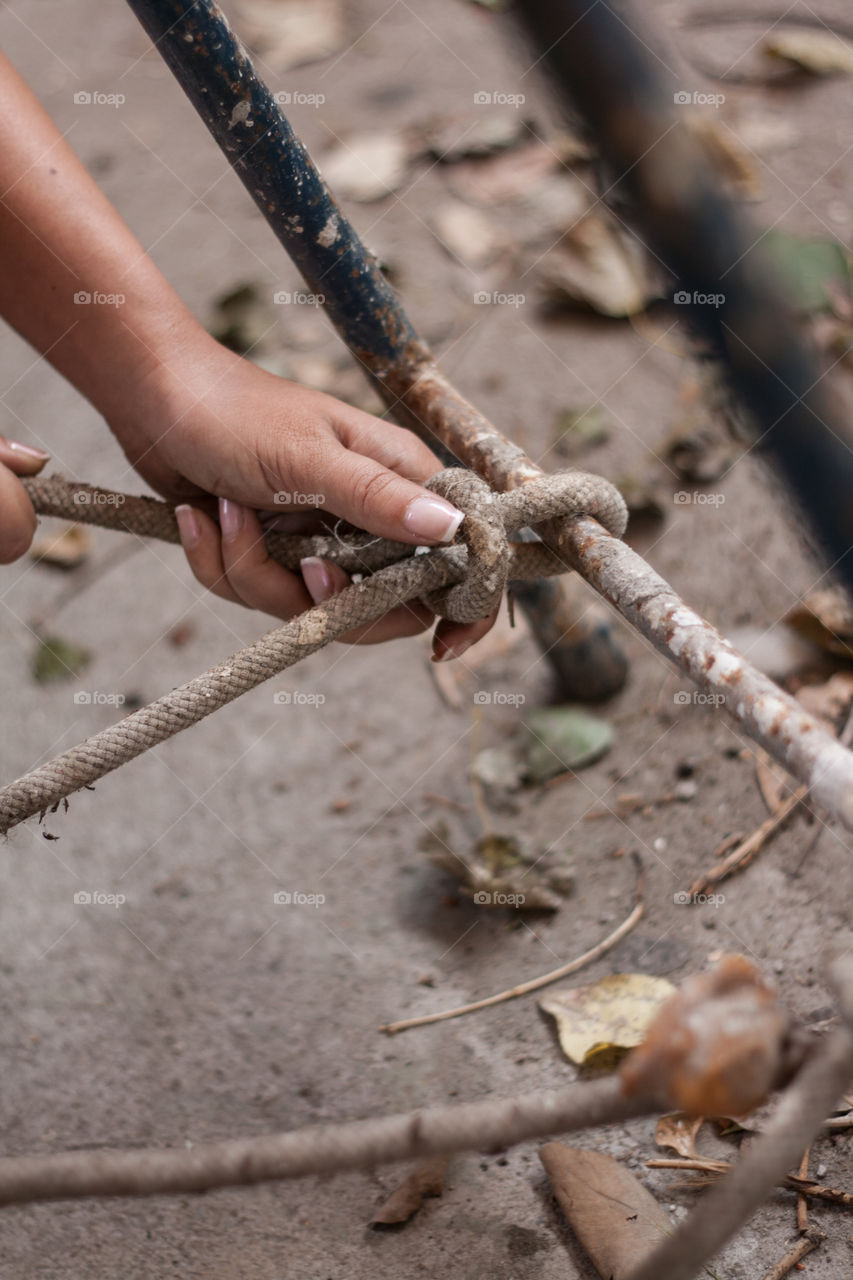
[825,618]
[599,265]
[290,33]
[464,136]
[426,1179]
[66,549]
[366,167]
[715,1048]
[729,157]
[598,1023]
[821,52]
[467,234]
[617,1221]
[505,177]
[678,1132]
[500,872]
[830,701]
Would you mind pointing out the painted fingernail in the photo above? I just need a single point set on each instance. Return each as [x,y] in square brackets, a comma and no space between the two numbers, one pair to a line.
[27,450]
[318,580]
[432,519]
[188,526]
[232,517]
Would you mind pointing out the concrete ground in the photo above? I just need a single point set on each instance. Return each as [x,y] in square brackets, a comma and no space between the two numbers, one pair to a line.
[199,1009]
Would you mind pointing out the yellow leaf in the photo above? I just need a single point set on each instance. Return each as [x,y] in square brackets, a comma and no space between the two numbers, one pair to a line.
[596,1024]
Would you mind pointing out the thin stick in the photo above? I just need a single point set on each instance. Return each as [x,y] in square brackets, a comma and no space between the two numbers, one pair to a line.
[802,1202]
[745,851]
[327,1149]
[800,1250]
[534,984]
[793,1181]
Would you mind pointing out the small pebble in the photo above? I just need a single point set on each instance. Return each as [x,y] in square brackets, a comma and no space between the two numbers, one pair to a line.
[821,1170]
[685,790]
[659,844]
[778,966]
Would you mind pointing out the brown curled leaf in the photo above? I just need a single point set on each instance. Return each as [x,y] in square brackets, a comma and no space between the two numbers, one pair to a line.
[426,1179]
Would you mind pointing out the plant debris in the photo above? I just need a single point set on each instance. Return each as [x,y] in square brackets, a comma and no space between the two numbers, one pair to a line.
[617,1221]
[291,33]
[426,1179]
[55,660]
[598,265]
[367,166]
[820,52]
[65,549]
[677,1132]
[580,427]
[598,1024]
[500,872]
[562,739]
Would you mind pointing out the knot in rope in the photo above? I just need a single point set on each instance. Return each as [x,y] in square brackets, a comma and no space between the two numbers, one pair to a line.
[490,519]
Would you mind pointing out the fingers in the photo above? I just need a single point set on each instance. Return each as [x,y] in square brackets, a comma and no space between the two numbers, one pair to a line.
[324,579]
[395,447]
[373,497]
[18,520]
[451,639]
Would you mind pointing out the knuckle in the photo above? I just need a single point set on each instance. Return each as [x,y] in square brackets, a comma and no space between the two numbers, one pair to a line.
[371,488]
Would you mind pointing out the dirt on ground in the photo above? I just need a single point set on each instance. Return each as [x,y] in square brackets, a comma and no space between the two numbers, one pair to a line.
[201,1008]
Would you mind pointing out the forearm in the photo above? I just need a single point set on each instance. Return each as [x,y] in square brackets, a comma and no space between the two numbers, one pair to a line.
[62,240]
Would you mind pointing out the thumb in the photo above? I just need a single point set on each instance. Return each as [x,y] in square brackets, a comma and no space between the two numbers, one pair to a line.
[18,521]
[370,496]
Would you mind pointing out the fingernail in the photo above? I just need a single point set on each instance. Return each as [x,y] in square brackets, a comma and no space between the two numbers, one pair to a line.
[188,526]
[432,519]
[454,651]
[27,450]
[316,576]
[232,517]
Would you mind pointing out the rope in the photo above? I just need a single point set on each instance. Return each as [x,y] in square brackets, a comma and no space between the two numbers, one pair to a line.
[464,582]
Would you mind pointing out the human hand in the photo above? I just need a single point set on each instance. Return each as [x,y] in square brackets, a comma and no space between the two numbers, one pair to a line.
[18,520]
[214,426]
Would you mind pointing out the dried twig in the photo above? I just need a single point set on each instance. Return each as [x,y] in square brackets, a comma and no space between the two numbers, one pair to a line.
[802,1202]
[800,1114]
[745,851]
[473,1126]
[715,1168]
[524,988]
[791,1259]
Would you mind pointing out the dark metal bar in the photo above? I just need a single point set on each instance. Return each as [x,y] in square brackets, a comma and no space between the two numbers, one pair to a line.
[216,73]
[601,62]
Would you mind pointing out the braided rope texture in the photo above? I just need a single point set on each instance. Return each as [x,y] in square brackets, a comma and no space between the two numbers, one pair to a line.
[464,582]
